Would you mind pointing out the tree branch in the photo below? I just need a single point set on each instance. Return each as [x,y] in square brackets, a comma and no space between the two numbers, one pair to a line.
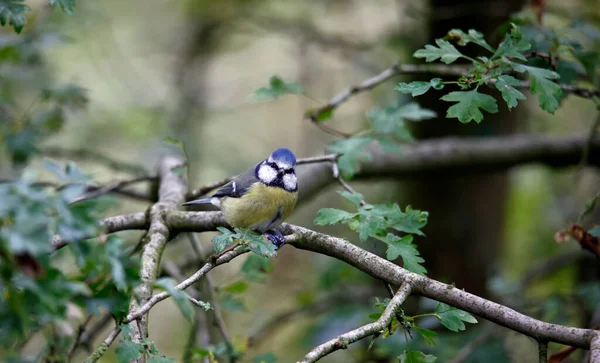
[437,69]
[111,225]
[355,335]
[458,155]
[98,157]
[396,275]
[171,195]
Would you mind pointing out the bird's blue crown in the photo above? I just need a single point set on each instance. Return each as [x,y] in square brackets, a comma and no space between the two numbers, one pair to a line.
[284,155]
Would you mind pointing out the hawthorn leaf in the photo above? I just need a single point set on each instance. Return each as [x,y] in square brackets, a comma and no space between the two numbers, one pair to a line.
[469,103]
[541,85]
[444,51]
[412,356]
[511,95]
[473,36]
[453,318]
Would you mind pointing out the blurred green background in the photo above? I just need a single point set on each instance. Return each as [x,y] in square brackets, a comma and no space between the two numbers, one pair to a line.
[185,69]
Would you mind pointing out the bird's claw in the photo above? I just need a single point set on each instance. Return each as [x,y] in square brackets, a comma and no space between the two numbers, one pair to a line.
[276,238]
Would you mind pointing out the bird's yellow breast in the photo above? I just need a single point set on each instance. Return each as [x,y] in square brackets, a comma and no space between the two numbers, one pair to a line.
[258,207]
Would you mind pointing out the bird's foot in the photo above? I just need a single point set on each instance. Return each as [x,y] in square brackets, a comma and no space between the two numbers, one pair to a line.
[276,237]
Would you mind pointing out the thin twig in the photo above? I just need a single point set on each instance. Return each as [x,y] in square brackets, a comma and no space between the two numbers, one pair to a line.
[80,330]
[543,351]
[193,194]
[112,187]
[344,340]
[200,324]
[318,159]
[155,299]
[99,352]
[221,325]
[343,183]
[88,335]
[196,193]
[398,69]
[95,156]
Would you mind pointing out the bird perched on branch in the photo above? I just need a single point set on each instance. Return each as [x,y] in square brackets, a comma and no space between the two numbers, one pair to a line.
[260,198]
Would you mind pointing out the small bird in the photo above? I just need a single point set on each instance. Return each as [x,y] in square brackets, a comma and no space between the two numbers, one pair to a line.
[260,198]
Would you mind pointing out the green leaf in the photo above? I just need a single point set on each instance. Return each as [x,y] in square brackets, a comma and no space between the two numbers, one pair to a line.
[113,249]
[445,51]
[66,5]
[453,318]
[265,358]
[472,36]
[257,244]
[411,221]
[327,216]
[160,359]
[427,334]
[178,295]
[548,92]
[418,88]
[237,287]
[511,95]
[513,45]
[355,198]
[403,247]
[390,120]
[412,111]
[469,103]
[353,154]
[277,88]
[128,350]
[256,268]
[322,114]
[411,356]
[12,12]
[223,240]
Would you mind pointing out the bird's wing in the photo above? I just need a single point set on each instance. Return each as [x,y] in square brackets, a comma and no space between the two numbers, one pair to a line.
[238,186]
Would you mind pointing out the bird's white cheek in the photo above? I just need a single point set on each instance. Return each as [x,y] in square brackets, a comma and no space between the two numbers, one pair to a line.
[290,181]
[266,174]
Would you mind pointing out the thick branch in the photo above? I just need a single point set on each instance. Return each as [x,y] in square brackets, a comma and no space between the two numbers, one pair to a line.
[395,275]
[111,225]
[171,194]
[459,155]
[355,335]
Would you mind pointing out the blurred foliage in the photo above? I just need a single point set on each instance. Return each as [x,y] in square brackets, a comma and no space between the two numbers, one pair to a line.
[44,295]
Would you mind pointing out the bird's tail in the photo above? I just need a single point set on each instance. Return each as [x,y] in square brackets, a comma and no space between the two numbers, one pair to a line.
[200,201]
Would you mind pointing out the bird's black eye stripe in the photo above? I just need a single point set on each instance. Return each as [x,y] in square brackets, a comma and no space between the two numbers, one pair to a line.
[273,165]
[289,171]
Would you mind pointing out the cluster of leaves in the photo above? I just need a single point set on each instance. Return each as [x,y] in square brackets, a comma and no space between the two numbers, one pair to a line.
[499,69]
[23,134]
[128,350]
[37,295]
[387,128]
[375,221]
[451,318]
[388,125]
[256,243]
[14,12]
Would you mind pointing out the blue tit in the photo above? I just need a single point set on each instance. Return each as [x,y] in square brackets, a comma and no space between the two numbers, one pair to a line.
[260,198]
